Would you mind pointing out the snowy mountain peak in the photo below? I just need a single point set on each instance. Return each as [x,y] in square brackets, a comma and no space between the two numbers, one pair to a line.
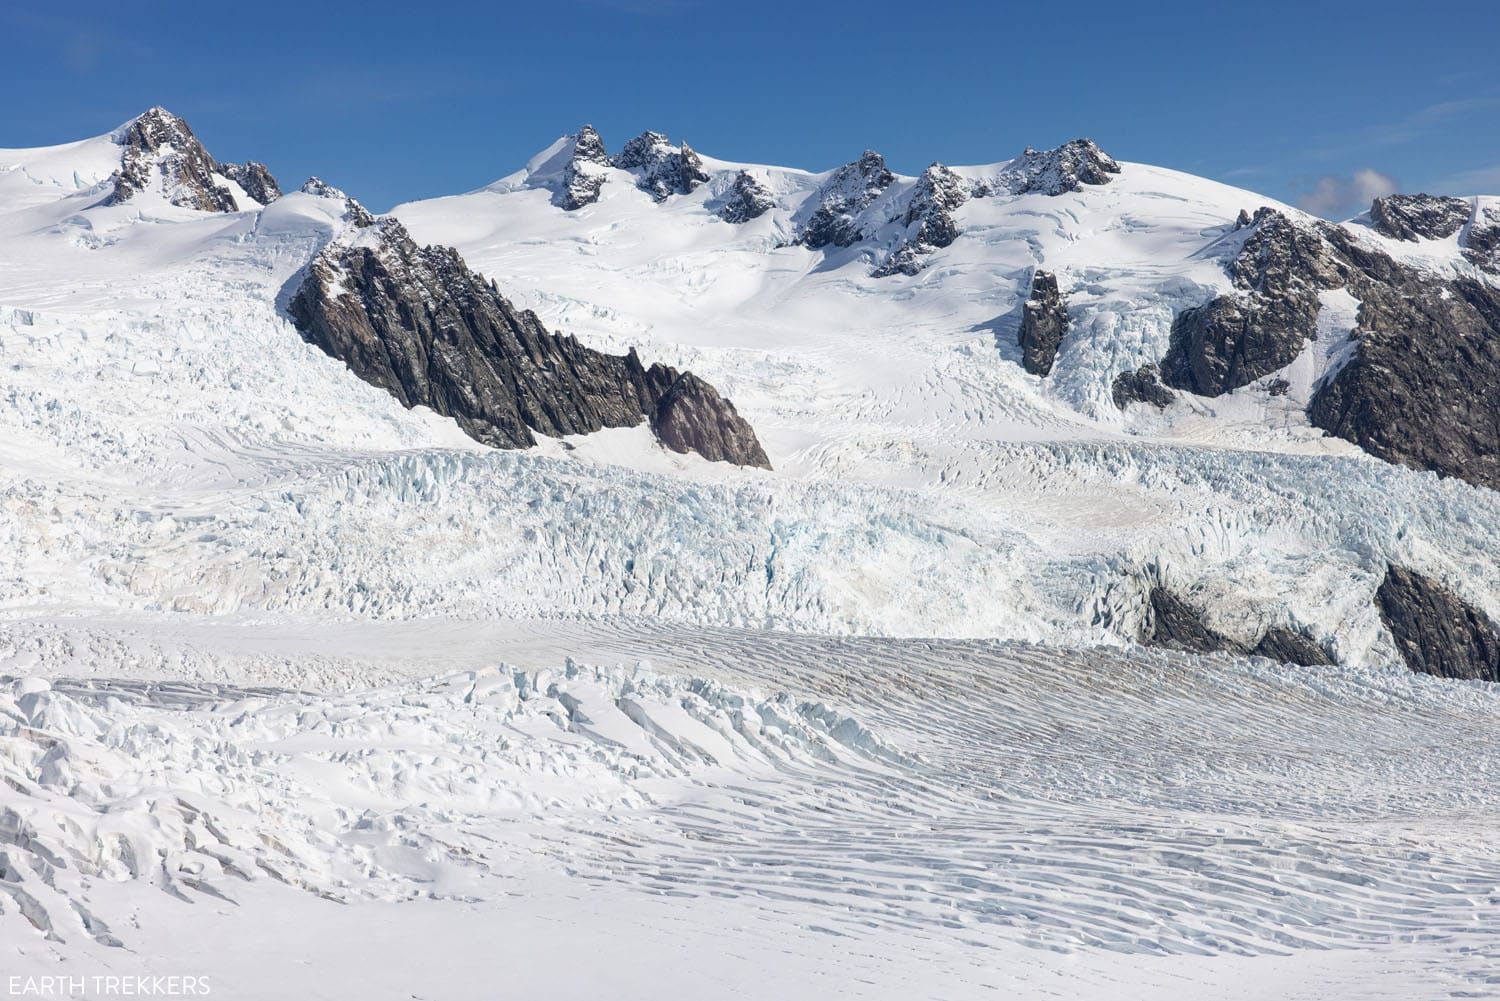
[839,200]
[162,156]
[1057,171]
[354,213]
[661,169]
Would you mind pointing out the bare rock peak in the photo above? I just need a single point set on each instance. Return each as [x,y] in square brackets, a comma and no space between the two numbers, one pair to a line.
[160,152]
[1417,217]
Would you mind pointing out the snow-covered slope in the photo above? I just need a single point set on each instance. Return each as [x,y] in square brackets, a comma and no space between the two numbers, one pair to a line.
[283,662]
[173,445]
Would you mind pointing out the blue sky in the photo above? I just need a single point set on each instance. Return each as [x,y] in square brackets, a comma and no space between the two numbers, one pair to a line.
[1326,103]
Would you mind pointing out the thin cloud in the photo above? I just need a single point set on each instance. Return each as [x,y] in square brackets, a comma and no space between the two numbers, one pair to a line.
[1479,181]
[1338,197]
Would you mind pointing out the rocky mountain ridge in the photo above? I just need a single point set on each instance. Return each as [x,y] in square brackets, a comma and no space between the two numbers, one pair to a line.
[420,324]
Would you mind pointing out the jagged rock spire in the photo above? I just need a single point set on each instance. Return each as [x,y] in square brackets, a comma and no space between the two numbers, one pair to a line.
[161,151]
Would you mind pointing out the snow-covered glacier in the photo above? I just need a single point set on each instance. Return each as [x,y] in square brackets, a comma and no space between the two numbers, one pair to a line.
[283,662]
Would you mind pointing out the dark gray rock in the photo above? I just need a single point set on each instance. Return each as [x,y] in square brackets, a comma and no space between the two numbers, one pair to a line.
[1235,339]
[928,220]
[661,169]
[1141,386]
[1172,624]
[1414,217]
[1291,647]
[421,325]
[747,199]
[1423,387]
[1436,631]
[1044,320]
[160,149]
[254,178]
[691,416]
[847,192]
[583,175]
[1053,171]
[1243,219]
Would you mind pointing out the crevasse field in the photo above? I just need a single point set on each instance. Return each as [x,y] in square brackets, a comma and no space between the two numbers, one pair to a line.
[311,695]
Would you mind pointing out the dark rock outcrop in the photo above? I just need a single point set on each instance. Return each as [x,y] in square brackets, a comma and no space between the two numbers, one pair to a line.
[1053,171]
[1044,320]
[847,192]
[1172,624]
[928,220]
[254,179]
[691,416]
[583,175]
[1288,646]
[1141,386]
[1235,339]
[1423,387]
[1436,631]
[661,169]
[1414,217]
[417,322]
[747,199]
[160,149]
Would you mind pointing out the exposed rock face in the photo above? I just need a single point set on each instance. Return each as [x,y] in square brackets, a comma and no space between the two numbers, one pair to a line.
[254,178]
[691,416]
[160,149]
[584,174]
[1044,320]
[1423,388]
[1291,647]
[1414,217]
[846,193]
[1054,171]
[1238,338]
[420,324]
[1173,624]
[1436,631]
[747,199]
[928,219]
[662,169]
[1141,386]
[1482,242]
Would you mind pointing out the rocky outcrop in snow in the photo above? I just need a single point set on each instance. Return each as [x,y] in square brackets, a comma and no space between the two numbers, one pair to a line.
[1053,171]
[661,169]
[254,178]
[418,323]
[1436,631]
[1414,217]
[584,174]
[1423,387]
[1173,624]
[748,198]
[928,220]
[1044,319]
[847,192]
[1238,338]
[161,153]
[1481,244]
[1141,386]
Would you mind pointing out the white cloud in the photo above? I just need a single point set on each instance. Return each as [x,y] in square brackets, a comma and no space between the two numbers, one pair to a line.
[1339,197]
